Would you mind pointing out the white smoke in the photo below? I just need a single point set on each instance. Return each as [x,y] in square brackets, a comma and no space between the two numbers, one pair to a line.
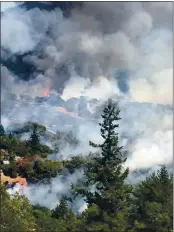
[153,78]
[8,5]
[152,90]
[157,150]
[92,46]
[50,194]
[16,189]
[101,88]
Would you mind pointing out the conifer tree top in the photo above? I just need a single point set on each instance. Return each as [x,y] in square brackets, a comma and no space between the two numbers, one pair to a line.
[2,130]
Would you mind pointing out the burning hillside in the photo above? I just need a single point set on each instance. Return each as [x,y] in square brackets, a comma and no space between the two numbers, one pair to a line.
[46,92]
[88,52]
[11,181]
[71,112]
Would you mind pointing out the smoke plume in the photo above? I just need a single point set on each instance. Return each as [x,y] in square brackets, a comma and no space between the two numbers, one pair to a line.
[121,50]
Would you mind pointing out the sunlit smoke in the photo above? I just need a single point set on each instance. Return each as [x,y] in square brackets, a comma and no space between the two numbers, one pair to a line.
[82,56]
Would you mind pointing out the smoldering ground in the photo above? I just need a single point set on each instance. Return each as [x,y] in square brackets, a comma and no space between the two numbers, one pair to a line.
[149,146]
[118,50]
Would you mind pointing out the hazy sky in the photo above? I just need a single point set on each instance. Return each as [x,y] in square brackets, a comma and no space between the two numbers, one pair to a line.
[121,50]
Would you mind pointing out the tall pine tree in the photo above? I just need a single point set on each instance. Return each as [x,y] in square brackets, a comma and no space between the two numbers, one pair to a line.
[105,175]
[153,203]
[61,211]
[2,131]
[34,139]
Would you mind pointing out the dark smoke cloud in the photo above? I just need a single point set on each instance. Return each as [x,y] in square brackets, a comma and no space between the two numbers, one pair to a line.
[92,42]
[121,50]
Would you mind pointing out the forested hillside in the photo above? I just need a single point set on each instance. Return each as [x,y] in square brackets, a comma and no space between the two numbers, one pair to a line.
[112,203]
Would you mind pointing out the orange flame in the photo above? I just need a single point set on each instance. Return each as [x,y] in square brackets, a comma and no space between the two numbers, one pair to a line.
[18,179]
[47,92]
[73,114]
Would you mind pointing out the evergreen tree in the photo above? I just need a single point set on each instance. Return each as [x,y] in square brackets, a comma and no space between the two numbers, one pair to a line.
[152,204]
[163,175]
[34,139]
[12,158]
[2,131]
[16,213]
[63,214]
[105,188]
[61,211]
[10,136]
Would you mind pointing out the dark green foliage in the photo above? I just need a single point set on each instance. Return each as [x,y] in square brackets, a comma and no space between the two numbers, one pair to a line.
[2,131]
[16,213]
[61,211]
[111,207]
[45,222]
[34,139]
[28,127]
[10,136]
[44,150]
[106,176]
[28,171]
[44,169]
[152,205]
[14,145]
[10,170]
[65,216]
[44,209]
[75,163]
[11,157]
[22,148]
[63,139]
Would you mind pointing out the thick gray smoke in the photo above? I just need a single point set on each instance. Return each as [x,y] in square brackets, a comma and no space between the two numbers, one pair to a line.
[97,42]
[121,50]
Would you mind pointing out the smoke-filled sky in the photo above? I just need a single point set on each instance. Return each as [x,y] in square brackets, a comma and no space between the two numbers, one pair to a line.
[121,50]
[126,43]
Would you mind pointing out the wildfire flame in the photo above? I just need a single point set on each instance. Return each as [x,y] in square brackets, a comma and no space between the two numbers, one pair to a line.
[73,114]
[18,179]
[47,92]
